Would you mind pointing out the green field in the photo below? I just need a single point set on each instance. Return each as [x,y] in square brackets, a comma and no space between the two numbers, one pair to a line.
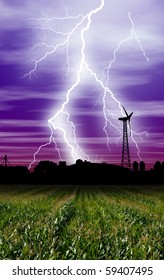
[81,222]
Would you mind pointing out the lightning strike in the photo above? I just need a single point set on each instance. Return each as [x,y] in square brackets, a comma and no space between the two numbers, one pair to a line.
[57,46]
[62,110]
[71,142]
[51,139]
[107,113]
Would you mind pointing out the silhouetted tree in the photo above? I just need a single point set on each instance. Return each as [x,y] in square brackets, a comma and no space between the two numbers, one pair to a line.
[135,166]
[158,166]
[142,166]
[62,163]
[79,162]
[163,165]
[45,167]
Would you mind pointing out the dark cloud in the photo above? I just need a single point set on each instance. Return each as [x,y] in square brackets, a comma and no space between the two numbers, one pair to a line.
[153,90]
[12,76]
[14,3]
[15,40]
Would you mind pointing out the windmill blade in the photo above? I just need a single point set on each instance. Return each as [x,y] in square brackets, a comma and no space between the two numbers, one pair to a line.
[130,123]
[130,126]
[125,112]
[130,115]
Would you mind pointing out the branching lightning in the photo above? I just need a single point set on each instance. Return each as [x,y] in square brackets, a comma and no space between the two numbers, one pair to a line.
[107,113]
[54,122]
[51,139]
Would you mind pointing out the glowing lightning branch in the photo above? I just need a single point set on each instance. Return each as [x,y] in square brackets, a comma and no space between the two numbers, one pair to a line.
[108,91]
[51,139]
[107,113]
[65,42]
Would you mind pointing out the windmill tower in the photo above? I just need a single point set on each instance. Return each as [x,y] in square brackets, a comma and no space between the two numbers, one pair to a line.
[125,159]
[5,161]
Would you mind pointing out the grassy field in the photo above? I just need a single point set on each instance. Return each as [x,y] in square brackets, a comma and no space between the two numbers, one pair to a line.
[81,222]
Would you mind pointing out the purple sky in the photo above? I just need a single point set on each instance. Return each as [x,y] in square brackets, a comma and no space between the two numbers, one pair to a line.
[102,55]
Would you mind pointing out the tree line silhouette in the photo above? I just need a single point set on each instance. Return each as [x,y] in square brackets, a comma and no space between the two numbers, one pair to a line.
[82,172]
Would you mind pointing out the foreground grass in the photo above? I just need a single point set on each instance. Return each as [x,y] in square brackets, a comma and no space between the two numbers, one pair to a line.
[81,222]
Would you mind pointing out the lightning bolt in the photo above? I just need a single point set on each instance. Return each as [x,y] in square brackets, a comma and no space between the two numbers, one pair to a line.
[62,111]
[69,132]
[54,49]
[51,139]
[107,113]
[83,64]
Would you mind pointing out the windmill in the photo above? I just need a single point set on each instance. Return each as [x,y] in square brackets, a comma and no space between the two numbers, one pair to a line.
[5,161]
[125,160]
